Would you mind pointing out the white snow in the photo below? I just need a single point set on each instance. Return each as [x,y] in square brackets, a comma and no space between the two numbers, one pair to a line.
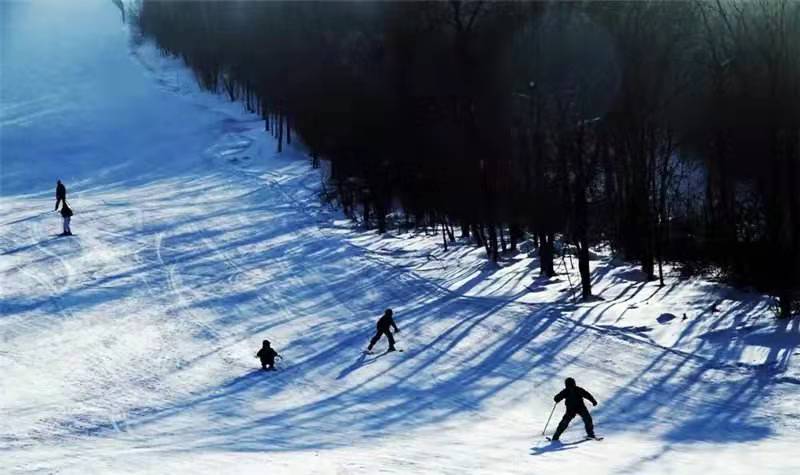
[129,347]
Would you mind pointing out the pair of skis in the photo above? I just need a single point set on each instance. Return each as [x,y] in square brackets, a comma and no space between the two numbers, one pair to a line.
[369,352]
[550,439]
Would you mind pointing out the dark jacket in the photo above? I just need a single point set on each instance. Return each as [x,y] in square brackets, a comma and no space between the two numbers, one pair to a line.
[386,322]
[61,191]
[267,354]
[66,211]
[574,396]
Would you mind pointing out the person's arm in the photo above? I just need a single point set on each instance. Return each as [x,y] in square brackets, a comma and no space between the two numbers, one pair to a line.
[395,326]
[258,355]
[587,395]
[558,397]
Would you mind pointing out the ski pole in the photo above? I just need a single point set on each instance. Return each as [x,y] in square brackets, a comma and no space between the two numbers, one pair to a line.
[548,419]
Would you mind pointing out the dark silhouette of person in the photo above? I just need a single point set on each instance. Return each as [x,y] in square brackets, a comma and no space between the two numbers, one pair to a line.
[66,213]
[267,356]
[573,396]
[61,194]
[383,327]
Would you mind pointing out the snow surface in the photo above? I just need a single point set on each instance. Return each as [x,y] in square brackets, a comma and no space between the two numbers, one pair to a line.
[128,348]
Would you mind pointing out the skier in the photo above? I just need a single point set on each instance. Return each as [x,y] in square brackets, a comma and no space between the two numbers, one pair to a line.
[61,194]
[267,356]
[66,213]
[383,327]
[574,396]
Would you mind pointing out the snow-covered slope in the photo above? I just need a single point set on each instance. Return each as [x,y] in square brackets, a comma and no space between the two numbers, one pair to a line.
[129,347]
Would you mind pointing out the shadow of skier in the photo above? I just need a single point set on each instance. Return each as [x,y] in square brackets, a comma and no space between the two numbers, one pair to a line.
[360,362]
[556,447]
[354,366]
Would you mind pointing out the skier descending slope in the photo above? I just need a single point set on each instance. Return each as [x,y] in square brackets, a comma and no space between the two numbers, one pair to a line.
[267,356]
[383,327]
[66,213]
[574,396]
[61,194]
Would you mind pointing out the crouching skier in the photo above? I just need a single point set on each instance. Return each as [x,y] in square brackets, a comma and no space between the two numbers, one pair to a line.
[383,327]
[574,396]
[267,356]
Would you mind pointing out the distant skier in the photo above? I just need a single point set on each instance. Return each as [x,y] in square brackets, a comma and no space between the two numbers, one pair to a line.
[66,213]
[383,327]
[61,194]
[574,396]
[267,356]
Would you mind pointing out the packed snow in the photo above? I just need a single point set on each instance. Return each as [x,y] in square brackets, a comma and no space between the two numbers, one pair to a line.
[129,347]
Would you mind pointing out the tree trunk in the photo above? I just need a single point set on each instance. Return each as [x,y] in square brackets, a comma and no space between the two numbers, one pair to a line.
[444,235]
[546,255]
[785,303]
[476,231]
[492,249]
[583,267]
[280,133]
[648,264]
[380,212]
[513,236]
[365,204]
[464,229]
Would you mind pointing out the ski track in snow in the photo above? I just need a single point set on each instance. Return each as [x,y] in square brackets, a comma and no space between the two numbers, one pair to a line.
[129,348]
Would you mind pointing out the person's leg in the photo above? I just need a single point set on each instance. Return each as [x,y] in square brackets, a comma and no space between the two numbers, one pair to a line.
[66,221]
[374,340]
[587,422]
[64,225]
[391,339]
[562,426]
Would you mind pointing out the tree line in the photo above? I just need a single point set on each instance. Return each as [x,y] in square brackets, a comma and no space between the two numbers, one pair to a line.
[669,131]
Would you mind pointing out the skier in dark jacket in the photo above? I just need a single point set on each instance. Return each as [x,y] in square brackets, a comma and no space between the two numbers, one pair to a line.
[573,396]
[383,327]
[267,356]
[61,194]
[66,213]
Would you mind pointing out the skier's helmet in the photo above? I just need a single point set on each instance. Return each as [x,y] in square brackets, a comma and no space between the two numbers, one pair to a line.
[265,343]
[388,312]
[569,382]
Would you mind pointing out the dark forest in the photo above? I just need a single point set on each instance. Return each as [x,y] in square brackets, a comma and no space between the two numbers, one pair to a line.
[667,131]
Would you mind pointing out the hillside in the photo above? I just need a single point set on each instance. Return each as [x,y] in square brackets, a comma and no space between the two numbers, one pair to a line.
[128,348]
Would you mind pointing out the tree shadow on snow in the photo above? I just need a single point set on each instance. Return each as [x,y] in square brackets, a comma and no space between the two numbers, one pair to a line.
[485,344]
[401,394]
[704,398]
